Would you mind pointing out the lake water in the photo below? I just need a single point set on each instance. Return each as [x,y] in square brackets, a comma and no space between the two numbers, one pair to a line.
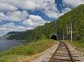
[7,44]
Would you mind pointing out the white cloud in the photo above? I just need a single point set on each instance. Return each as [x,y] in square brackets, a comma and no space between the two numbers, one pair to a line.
[73,3]
[8,27]
[48,6]
[17,16]
[4,29]
[24,4]
[28,22]
[35,18]
[30,5]
[50,9]
[13,27]
[7,7]
[3,16]
[34,21]
[14,16]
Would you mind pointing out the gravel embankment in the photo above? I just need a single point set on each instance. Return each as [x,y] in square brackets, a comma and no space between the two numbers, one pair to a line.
[76,52]
[47,54]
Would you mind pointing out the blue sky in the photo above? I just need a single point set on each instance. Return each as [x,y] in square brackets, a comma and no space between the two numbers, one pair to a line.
[21,15]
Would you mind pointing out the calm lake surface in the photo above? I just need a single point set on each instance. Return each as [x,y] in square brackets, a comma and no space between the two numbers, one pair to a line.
[7,44]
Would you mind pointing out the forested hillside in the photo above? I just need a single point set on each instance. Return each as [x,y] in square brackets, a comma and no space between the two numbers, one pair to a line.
[74,17]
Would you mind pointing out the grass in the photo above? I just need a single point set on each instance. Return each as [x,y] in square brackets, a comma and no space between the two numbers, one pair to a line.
[28,50]
[79,45]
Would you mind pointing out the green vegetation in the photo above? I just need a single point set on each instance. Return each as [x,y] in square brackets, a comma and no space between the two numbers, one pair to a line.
[9,58]
[33,48]
[78,44]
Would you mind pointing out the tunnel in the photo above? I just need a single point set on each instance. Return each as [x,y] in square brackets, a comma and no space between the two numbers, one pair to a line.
[54,37]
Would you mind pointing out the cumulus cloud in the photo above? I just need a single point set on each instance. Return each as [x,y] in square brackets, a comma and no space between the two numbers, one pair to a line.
[48,6]
[13,27]
[3,16]
[24,4]
[34,21]
[50,9]
[7,7]
[30,5]
[73,3]
[17,16]
[14,16]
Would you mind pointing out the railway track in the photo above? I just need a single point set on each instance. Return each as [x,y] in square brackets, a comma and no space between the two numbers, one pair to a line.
[63,54]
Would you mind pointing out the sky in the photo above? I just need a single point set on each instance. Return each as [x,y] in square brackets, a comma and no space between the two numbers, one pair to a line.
[21,15]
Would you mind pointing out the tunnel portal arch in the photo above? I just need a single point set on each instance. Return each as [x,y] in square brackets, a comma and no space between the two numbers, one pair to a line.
[54,37]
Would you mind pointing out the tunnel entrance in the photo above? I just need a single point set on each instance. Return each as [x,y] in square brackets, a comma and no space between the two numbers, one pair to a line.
[54,37]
